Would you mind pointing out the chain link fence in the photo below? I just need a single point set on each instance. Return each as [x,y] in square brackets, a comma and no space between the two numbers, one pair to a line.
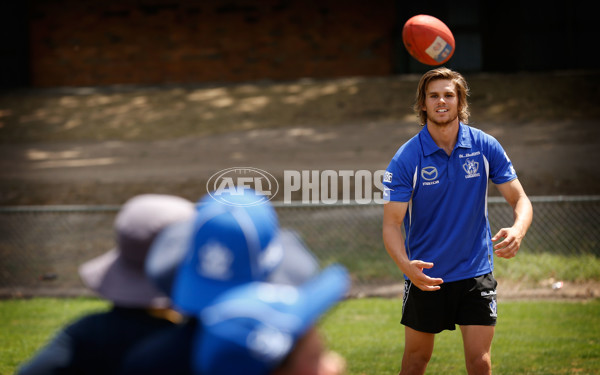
[42,247]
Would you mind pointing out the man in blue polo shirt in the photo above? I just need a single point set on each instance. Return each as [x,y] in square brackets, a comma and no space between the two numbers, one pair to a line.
[436,187]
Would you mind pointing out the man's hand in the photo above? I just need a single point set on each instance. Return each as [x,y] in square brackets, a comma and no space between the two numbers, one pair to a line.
[510,244]
[419,279]
[511,237]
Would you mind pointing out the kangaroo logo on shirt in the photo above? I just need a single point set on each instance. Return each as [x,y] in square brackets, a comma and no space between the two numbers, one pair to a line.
[471,167]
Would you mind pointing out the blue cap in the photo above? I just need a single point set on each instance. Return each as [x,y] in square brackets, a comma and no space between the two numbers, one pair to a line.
[252,328]
[230,244]
[298,264]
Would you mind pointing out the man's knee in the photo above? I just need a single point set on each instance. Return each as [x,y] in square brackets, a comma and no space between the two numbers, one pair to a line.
[479,364]
[415,362]
[417,351]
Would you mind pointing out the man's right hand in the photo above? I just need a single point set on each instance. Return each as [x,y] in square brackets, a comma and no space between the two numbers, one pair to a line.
[419,279]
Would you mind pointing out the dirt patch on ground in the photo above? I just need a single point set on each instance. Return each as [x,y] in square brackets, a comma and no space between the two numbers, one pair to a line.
[104,145]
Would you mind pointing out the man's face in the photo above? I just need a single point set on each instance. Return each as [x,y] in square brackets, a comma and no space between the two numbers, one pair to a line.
[441,102]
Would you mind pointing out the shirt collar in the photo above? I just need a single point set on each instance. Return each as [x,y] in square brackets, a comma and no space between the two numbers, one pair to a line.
[429,146]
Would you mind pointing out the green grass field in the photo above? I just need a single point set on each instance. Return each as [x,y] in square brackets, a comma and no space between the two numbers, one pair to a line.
[531,338]
[535,337]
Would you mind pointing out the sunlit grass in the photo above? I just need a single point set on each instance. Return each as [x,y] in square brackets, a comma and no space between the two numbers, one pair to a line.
[531,338]
[538,267]
[537,337]
[27,324]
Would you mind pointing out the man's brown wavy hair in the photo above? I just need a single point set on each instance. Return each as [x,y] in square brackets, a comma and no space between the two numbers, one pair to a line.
[462,90]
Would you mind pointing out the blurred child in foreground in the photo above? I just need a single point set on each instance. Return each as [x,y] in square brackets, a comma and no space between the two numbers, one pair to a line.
[95,344]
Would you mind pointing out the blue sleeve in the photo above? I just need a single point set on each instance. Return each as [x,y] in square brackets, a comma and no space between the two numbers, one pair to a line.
[398,179]
[54,358]
[501,168]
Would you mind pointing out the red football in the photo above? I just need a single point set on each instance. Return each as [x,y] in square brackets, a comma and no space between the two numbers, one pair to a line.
[428,39]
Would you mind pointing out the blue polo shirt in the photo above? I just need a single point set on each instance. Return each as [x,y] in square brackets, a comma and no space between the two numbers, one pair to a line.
[447,221]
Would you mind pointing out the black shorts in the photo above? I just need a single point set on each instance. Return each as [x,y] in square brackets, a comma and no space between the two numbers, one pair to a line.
[464,302]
